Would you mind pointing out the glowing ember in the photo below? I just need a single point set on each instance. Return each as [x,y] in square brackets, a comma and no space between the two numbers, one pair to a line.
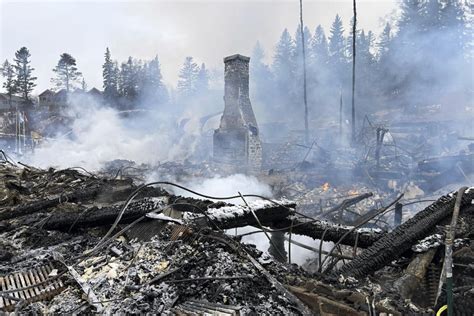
[325,186]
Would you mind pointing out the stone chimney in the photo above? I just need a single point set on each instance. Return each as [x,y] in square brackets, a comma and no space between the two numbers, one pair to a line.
[236,141]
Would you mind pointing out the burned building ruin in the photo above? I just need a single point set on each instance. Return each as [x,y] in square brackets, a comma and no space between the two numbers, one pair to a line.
[237,143]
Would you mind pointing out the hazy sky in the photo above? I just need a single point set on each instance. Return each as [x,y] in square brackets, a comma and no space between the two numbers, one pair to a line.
[206,30]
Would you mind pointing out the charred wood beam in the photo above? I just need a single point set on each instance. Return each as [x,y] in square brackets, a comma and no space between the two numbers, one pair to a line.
[348,202]
[330,232]
[281,217]
[99,216]
[392,245]
[36,206]
[233,216]
[103,193]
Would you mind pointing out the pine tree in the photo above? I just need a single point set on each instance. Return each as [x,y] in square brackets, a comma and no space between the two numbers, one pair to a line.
[8,73]
[283,66]
[25,82]
[67,74]
[384,42]
[298,52]
[261,80]
[336,41]
[110,77]
[431,15]
[284,71]
[202,81]
[455,27]
[154,86]
[187,78]
[129,80]
[319,47]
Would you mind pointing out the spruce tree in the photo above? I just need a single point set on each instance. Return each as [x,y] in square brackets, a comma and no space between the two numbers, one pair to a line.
[261,80]
[110,74]
[187,78]
[8,73]
[154,86]
[336,41]
[129,80]
[384,42]
[202,82]
[283,66]
[25,82]
[319,47]
[284,72]
[67,74]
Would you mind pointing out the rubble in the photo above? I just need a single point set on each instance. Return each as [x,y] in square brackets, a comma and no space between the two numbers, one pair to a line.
[114,246]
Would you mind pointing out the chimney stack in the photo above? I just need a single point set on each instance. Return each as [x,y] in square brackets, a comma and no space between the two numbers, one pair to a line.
[236,141]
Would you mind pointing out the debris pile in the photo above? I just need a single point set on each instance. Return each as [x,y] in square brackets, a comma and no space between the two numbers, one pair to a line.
[76,242]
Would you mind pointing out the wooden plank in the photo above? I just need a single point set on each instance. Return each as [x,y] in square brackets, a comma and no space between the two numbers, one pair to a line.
[50,285]
[59,283]
[25,293]
[3,287]
[26,275]
[40,287]
[13,286]
[33,281]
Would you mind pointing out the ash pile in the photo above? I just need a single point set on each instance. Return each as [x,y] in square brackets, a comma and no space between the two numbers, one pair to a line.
[76,242]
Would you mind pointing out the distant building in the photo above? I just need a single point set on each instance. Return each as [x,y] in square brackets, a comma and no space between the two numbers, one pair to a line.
[57,100]
[5,104]
[47,98]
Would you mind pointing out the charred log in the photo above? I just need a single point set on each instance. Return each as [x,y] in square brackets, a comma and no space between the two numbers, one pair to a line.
[330,232]
[395,243]
[233,216]
[99,216]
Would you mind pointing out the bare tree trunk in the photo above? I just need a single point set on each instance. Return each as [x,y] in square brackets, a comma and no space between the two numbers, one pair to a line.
[306,127]
[354,35]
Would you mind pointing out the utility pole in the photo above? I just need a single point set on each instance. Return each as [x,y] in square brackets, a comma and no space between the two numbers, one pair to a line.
[306,128]
[354,35]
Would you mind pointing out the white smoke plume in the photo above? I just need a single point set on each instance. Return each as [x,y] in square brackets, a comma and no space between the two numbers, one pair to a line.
[100,134]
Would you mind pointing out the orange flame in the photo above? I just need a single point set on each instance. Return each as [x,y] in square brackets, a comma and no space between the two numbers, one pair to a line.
[325,187]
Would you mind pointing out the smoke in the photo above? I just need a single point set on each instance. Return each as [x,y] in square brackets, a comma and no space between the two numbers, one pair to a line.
[100,134]
[221,186]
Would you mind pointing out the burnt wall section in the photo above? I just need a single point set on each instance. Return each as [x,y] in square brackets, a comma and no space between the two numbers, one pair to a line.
[237,143]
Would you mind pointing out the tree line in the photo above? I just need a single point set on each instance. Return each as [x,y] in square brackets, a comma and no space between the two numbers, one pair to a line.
[127,85]
[422,56]
[418,59]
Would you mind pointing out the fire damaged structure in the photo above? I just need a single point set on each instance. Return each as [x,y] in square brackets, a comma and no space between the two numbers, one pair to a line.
[76,242]
[236,142]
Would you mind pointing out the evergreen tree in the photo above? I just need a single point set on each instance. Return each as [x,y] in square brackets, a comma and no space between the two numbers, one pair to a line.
[261,80]
[455,27]
[110,77]
[154,86]
[336,42]
[25,82]
[430,15]
[284,72]
[8,73]
[67,74]
[187,78]
[283,66]
[298,51]
[129,80]
[202,81]
[384,42]
[319,47]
